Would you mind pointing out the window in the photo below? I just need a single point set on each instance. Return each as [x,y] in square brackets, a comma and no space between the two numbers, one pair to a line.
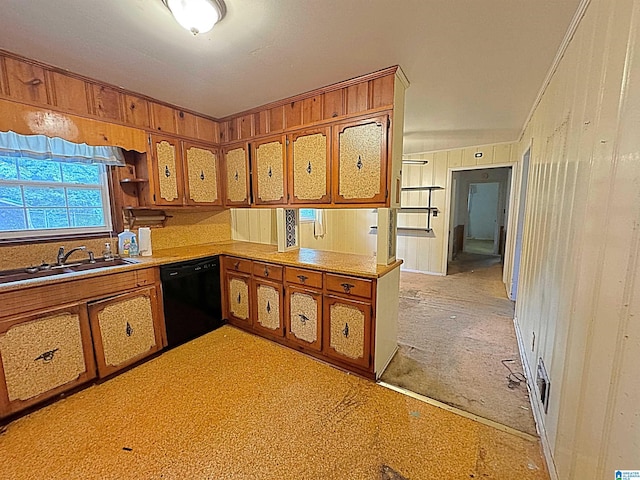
[307,214]
[39,198]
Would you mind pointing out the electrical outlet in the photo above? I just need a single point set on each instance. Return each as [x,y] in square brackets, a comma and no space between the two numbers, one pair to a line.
[544,384]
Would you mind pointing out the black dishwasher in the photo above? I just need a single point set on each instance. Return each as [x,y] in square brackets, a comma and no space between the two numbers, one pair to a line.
[191,296]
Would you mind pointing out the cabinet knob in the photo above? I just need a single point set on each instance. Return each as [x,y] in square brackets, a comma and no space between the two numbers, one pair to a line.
[266,272]
[309,168]
[236,176]
[345,330]
[236,265]
[359,164]
[34,82]
[347,287]
[201,175]
[129,330]
[46,357]
[239,298]
[303,319]
[167,173]
[268,307]
[303,278]
[270,173]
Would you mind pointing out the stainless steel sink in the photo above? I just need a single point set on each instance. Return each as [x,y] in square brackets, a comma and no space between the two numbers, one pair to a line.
[17,275]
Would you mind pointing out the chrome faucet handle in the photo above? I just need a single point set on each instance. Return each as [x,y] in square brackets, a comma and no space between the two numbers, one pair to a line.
[92,258]
[60,255]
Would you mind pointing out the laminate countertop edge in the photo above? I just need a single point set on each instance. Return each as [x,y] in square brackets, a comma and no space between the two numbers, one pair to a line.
[319,260]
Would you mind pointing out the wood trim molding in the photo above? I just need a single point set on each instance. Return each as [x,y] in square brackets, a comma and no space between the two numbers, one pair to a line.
[28,120]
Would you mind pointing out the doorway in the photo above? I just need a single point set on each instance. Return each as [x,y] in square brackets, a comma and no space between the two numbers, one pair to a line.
[478,217]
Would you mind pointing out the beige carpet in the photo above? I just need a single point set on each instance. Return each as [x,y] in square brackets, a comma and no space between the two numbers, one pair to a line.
[233,406]
[454,331]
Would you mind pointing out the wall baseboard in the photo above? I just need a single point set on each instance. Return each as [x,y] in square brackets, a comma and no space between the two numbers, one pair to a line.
[538,414]
[439,274]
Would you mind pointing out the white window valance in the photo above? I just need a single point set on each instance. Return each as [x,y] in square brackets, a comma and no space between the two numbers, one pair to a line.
[41,147]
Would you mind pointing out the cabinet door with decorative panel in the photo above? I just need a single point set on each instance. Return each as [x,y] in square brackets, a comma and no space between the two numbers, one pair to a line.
[303,309]
[236,175]
[202,175]
[43,354]
[347,331]
[125,329]
[309,166]
[268,307]
[269,171]
[167,170]
[238,302]
[360,161]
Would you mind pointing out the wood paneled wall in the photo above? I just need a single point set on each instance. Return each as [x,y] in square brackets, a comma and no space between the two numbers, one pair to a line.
[580,272]
[34,83]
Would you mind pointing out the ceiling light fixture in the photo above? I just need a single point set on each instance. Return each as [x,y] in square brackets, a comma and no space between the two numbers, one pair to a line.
[197,16]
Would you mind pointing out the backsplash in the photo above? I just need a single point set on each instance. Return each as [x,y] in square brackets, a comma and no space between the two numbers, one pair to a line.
[19,256]
[182,229]
[192,228]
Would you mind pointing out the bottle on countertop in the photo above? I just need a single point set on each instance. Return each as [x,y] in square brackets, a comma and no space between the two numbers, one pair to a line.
[133,248]
[124,243]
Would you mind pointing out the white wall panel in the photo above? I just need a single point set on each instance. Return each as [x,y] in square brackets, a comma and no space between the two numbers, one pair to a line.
[579,282]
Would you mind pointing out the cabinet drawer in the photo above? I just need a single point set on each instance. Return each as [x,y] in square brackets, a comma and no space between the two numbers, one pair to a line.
[237,264]
[360,287]
[267,270]
[299,276]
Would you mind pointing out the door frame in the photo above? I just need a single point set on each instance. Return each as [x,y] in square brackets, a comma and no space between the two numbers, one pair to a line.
[510,206]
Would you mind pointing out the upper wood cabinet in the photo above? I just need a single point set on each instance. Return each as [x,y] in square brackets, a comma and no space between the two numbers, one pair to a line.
[269,171]
[107,102]
[69,93]
[186,124]
[236,175]
[25,81]
[184,173]
[202,175]
[167,170]
[360,161]
[163,118]
[309,166]
[136,111]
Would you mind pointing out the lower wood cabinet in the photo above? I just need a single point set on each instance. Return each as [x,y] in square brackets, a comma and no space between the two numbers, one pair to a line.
[268,307]
[125,329]
[347,330]
[43,354]
[304,317]
[108,323]
[238,301]
[323,314]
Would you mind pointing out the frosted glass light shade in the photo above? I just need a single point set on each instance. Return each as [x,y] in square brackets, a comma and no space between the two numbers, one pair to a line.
[197,16]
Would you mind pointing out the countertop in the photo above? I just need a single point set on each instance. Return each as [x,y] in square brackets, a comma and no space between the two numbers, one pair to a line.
[350,264]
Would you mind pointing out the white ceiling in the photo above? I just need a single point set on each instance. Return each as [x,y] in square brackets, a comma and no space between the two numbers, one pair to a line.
[475,66]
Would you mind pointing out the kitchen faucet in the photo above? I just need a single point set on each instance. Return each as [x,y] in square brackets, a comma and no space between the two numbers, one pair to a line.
[63,257]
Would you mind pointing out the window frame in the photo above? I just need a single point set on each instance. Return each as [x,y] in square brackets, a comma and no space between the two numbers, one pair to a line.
[48,234]
[307,220]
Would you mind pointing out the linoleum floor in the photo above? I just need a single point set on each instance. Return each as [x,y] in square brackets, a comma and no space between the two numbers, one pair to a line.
[230,405]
